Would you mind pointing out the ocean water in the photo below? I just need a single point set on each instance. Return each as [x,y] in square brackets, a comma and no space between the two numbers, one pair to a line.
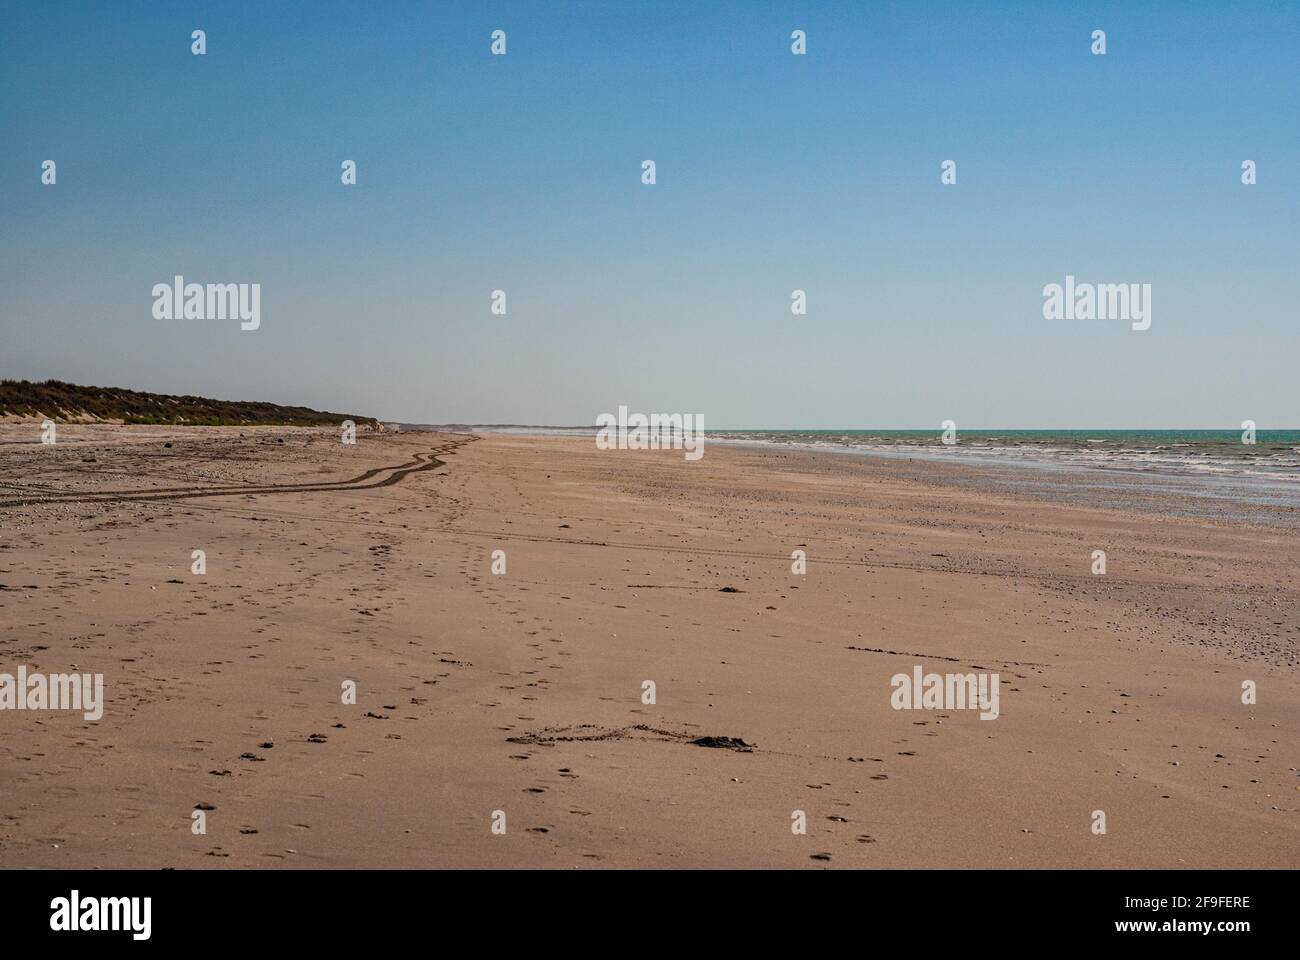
[1274,457]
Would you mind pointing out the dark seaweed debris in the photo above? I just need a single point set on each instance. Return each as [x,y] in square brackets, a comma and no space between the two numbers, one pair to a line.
[725,743]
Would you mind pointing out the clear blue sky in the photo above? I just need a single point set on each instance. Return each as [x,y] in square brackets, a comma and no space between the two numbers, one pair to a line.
[775,172]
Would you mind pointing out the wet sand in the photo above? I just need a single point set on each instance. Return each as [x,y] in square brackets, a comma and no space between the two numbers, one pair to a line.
[521,692]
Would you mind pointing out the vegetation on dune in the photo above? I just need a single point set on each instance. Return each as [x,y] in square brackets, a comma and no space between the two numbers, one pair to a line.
[68,401]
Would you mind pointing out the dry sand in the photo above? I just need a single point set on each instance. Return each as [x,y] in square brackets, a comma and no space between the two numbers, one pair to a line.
[522,692]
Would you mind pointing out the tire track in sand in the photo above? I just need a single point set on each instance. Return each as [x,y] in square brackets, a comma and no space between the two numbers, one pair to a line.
[396,473]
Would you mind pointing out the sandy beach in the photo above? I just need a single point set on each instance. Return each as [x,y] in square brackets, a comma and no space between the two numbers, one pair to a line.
[522,692]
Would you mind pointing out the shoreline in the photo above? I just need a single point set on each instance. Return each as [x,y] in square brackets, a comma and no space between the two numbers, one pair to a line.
[1264,500]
